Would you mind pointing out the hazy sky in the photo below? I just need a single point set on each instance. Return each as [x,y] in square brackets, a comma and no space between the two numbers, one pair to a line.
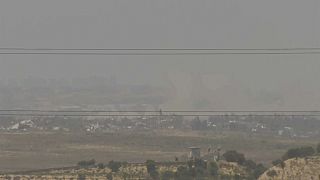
[164,24]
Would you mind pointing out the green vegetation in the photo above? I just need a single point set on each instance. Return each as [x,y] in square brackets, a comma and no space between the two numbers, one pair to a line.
[152,169]
[272,173]
[114,166]
[255,170]
[276,162]
[298,152]
[89,163]
[235,167]
[234,156]
[213,169]
[82,177]
[167,175]
[260,169]
[101,166]
[302,162]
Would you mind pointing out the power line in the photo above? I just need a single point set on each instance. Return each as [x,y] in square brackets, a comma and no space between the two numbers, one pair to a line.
[164,111]
[162,49]
[158,51]
[155,115]
[159,54]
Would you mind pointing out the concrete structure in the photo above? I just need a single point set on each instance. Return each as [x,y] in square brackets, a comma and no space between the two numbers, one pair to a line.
[194,153]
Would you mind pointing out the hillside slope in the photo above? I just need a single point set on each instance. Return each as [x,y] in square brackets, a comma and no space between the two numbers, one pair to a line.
[297,168]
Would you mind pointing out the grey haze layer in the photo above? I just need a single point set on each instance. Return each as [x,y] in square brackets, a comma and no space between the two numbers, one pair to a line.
[219,81]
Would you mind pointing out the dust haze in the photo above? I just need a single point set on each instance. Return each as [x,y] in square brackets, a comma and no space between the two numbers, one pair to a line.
[182,82]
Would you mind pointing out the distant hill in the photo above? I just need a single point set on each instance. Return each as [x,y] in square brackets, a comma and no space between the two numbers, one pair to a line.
[296,168]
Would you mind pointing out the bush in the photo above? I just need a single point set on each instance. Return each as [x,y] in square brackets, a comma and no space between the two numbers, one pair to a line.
[109,176]
[167,175]
[199,163]
[81,177]
[226,177]
[318,148]
[89,163]
[276,162]
[152,169]
[114,166]
[151,166]
[234,156]
[260,169]
[282,164]
[213,168]
[250,164]
[299,152]
[272,173]
[101,166]
[183,173]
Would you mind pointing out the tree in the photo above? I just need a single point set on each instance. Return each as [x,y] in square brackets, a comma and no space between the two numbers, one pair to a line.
[234,156]
[197,124]
[200,167]
[114,166]
[183,173]
[152,169]
[299,152]
[199,163]
[213,168]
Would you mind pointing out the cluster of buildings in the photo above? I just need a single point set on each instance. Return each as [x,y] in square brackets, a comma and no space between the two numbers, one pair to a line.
[289,127]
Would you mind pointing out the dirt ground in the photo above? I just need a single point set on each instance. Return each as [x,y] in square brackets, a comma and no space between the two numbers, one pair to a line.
[29,151]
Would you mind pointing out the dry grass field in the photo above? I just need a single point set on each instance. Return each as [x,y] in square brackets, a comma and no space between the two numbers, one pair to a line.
[28,151]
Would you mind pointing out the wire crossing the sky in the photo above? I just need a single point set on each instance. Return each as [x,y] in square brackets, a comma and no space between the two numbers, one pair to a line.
[161,49]
[158,51]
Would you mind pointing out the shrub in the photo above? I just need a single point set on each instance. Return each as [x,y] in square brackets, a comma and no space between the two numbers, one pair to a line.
[151,166]
[318,148]
[167,175]
[152,169]
[213,168]
[89,163]
[114,166]
[226,177]
[299,152]
[272,173]
[199,163]
[276,162]
[234,156]
[260,169]
[250,164]
[109,176]
[81,177]
[183,173]
[101,166]
[282,164]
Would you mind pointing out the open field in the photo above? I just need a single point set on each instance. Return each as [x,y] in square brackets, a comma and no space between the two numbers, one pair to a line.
[27,151]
